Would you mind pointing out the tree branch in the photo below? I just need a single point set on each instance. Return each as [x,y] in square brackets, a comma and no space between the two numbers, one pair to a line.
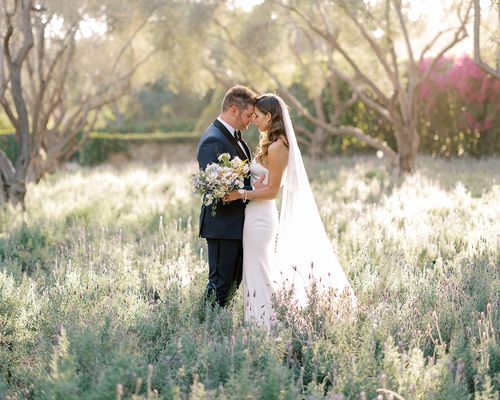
[27,32]
[10,113]
[304,112]
[402,23]
[477,48]
[67,40]
[334,43]
[341,130]
[383,111]
[433,41]
[6,167]
[305,132]
[56,97]
[459,35]
[374,46]
[130,39]
[359,134]
[7,37]
[339,106]
[3,79]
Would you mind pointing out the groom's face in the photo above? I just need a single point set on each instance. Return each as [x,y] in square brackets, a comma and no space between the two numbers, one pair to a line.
[243,118]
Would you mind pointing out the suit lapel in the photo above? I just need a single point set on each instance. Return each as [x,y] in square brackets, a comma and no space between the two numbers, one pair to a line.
[231,138]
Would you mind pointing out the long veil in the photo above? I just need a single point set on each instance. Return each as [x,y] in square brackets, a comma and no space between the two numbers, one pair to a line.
[304,253]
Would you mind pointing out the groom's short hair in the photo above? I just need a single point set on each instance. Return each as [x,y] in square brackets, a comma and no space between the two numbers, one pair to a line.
[239,96]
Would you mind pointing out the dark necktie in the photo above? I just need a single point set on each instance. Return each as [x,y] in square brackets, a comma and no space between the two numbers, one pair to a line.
[237,136]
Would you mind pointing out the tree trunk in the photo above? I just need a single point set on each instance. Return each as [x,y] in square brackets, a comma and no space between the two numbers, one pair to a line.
[17,186]
[23,127]
[408,143]
[11,189]
[17,193]
[318,147]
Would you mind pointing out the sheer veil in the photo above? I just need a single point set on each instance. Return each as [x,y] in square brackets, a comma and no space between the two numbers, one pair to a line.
[303,251]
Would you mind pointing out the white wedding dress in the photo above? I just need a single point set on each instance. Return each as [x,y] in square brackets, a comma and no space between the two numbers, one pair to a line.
[259,240]
[301,257]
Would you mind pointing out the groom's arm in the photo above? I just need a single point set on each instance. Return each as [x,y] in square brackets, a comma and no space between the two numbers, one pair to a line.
[209,150]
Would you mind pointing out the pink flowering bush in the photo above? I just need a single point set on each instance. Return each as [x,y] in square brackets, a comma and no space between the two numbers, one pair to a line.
[459,109]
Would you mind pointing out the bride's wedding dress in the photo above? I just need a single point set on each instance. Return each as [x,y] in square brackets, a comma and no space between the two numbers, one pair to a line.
[289,251]
[259,239]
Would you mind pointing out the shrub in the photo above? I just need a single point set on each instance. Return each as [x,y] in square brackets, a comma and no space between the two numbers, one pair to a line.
[459,109]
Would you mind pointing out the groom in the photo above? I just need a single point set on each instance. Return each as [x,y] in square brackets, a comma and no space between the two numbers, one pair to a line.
[224,231]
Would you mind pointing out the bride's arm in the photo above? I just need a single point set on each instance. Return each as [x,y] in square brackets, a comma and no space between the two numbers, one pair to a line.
[277,157]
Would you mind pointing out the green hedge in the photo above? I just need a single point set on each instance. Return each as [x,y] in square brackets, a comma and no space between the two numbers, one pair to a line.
[101,144]
[163,136]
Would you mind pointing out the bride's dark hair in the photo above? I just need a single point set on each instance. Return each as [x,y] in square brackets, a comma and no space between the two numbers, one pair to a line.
[269,103]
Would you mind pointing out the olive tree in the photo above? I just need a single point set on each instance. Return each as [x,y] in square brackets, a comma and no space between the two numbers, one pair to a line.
[382,68]
[60,63]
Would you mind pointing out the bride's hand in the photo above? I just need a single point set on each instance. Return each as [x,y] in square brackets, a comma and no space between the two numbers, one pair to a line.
[259,184]
[231,196]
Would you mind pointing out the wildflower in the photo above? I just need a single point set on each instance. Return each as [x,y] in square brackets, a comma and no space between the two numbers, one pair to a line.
[218,179]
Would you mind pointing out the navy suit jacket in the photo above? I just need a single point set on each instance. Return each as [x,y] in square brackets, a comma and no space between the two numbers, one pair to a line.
[229,218]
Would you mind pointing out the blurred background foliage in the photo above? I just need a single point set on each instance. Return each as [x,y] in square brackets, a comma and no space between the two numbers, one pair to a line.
[458,115]
[200,48]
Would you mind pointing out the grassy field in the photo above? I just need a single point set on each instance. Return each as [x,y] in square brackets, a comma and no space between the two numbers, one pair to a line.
[101,282]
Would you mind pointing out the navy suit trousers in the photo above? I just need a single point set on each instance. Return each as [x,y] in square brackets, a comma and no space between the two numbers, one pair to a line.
[225,262]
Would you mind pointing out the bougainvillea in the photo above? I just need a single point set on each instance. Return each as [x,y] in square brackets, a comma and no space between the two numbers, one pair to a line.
[459,109]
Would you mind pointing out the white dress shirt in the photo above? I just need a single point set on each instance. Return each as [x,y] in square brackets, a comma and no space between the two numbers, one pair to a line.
[231,130]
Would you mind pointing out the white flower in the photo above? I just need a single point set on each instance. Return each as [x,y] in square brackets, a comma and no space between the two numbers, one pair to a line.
[211,167]
[220,178]
[235,162]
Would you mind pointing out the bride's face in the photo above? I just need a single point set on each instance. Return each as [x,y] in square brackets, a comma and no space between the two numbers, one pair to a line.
[261,120]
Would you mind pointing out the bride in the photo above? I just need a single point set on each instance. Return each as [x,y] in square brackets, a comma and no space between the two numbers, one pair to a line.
[292,250]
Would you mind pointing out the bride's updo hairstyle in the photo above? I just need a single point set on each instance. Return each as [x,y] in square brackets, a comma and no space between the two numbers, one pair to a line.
[269,103]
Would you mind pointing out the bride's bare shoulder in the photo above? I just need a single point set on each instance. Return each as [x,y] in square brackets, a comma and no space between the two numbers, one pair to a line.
[278,153]
[278,146]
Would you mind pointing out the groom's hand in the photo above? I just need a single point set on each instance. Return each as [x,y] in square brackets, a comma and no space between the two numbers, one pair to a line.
[260,183]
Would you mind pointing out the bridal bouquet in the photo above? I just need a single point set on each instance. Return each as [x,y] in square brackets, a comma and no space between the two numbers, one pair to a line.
[218,179]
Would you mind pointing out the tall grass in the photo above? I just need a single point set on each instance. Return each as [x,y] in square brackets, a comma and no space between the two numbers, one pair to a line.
[102,279]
